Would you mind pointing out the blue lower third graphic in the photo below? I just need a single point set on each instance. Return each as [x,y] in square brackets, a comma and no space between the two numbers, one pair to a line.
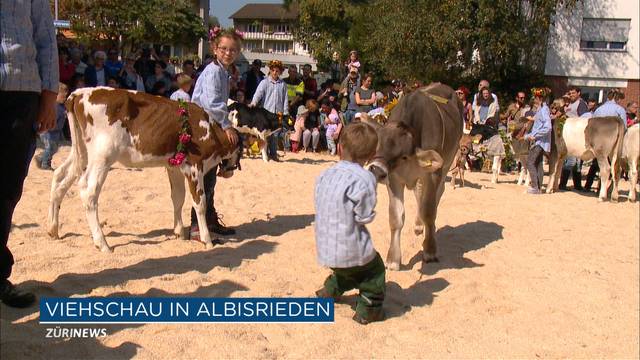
[185,310]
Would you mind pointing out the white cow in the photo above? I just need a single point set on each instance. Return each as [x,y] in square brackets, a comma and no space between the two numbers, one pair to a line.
[631,152]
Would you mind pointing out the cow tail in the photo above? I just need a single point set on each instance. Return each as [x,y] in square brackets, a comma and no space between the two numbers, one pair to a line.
[78,156]
[617,155]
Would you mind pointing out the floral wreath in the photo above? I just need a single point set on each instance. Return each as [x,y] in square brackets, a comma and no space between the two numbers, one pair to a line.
[217,31]
[540,92]
[184,135]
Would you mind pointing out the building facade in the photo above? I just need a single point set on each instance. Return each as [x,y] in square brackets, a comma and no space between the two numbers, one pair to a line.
[596,46]
[268,35]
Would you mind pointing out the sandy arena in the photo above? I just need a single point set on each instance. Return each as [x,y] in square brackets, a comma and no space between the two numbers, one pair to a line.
[520,276]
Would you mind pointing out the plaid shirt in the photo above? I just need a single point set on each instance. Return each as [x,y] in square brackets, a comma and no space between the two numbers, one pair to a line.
[345,200]
[28,49]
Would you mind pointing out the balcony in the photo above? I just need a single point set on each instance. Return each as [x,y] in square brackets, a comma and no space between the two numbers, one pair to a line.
[267,36]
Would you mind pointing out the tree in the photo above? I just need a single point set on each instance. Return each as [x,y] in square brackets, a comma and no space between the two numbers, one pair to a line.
[453,41]
[131,23]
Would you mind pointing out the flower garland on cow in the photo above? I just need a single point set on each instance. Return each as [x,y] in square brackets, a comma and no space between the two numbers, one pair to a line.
[184,135]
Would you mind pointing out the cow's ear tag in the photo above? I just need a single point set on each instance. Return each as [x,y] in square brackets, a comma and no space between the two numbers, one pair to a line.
[429,160]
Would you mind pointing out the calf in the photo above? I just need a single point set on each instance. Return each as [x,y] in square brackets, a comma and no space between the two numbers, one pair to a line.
[137,130]
[520,147]
[631,152]
[598,139]
[254,121]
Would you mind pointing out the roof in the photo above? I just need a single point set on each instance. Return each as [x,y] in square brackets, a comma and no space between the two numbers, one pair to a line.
[266,11]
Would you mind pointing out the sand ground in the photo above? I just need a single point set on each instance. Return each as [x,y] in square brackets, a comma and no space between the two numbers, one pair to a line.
[520,276]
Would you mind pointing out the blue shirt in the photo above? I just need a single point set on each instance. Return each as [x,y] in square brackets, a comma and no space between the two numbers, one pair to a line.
[345,200]
[272,95]
[28,49]
[212,93]
[611,108]
[541,131]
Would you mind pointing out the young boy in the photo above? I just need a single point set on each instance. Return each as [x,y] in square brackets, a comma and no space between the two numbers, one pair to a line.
[345,200]
[184,84]
[52,138]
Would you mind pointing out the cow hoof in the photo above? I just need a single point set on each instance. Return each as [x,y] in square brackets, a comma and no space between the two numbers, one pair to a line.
[550,191]
[429,258]
[600,199]
[394,266]
[53,234]
[208,245]
[105,249]
[418,230]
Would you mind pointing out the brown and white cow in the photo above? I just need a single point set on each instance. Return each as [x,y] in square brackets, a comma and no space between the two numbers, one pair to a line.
[137,130]
[416,148]
[598,139]
[631,152]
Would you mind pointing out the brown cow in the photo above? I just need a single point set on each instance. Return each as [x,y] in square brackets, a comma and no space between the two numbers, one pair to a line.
[461,159]
[137,130]
[417,145]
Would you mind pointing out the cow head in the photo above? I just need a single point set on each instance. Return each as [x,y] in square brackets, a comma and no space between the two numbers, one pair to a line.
[397,152]
[253,121]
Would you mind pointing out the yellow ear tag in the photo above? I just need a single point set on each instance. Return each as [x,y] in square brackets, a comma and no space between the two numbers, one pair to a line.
[476,141]
[427,163]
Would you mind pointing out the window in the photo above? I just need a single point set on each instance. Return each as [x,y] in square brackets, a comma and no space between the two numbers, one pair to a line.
[254,28]
[280,47]
[282,28]
[250,45]
[604,34]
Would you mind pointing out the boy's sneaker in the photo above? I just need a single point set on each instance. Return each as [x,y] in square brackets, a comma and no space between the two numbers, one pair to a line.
[376,316]
[323,293]
[533,191]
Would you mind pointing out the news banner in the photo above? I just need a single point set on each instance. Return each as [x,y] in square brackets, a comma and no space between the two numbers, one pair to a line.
[91,311]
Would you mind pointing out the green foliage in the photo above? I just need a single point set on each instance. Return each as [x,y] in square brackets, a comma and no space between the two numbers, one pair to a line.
[135,21]
[453,41]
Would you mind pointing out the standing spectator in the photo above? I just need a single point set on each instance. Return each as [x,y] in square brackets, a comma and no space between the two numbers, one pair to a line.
[188,67]
[184,85]
[52,138]
[467,112]
[113,64]
[159,76]
[295,89]
[516,109]
[347,91]
[311,133]
[572,165]
[252,77]
[345,201]
[365,95]
[310,84]
[211,93]
[485,84]
[28,89]
[541,136]
[485,108]
[66,68]
[170,69]
[331,123]
[96,75]
[609,108]
[272,95]
[337,73]
[128,75]
[632,113]
[76,60]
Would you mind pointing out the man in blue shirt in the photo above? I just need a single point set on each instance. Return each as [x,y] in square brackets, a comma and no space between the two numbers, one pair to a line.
[28,89]
[540,135]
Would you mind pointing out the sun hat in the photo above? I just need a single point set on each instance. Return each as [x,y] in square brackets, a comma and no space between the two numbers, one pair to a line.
[302,110]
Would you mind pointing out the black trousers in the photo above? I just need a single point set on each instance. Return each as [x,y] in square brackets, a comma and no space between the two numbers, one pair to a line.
[210,180]
[18,115]
[591,175]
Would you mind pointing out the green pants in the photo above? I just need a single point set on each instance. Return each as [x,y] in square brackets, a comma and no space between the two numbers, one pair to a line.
[368,278]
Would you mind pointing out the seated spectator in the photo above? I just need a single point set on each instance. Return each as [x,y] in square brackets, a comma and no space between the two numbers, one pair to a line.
[76,82]
[159,75]
[632,113]
[240,96]
[76,60]
[485,108]
[113,82]
[96,74]
[298,128]
[311,133]
[159,88]
[184,85]
[113,65]
[129,77]
[67,68]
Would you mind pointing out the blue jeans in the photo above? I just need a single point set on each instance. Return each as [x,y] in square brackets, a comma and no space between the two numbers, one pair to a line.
[348,116]
[569,163]
[272,150]
[50,148]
